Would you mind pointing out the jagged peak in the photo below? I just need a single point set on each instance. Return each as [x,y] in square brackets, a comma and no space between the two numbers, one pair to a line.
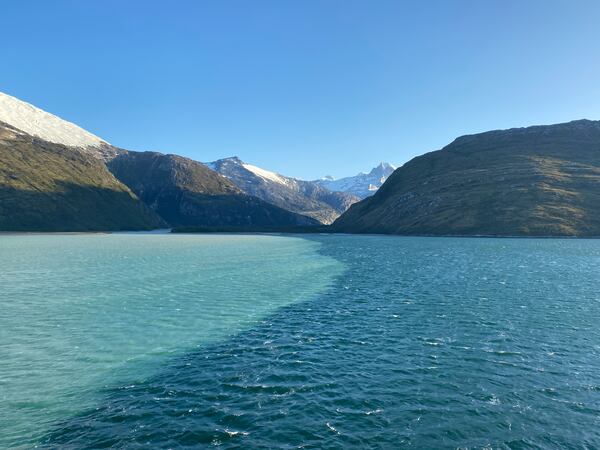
[383,168]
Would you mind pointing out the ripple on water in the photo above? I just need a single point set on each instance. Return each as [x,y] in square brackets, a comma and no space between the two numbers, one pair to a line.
[416,344]
[83,314]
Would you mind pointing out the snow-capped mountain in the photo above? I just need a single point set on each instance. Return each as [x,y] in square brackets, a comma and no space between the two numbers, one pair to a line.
[299,196]
[362,185]
[55,176]
[41,124]
[266,175]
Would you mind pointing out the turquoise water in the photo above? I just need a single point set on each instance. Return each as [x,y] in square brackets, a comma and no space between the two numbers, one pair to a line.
[82,314]
[316,342]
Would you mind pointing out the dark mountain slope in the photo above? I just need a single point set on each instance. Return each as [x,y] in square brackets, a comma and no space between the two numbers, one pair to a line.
[51,187]
[536,181]
[187,193]
[303,197]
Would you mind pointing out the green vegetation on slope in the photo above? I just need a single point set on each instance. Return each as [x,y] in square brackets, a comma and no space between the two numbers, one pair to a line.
[50,187]
[536,181]
[187,193]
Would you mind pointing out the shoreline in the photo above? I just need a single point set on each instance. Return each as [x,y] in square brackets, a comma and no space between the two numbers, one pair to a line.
[282,230]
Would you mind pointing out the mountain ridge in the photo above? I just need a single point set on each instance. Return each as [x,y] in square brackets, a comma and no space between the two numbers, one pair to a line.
[46,186]
[361,185]
[185,192]
[299,196]
[542,180]
[51,128]
[174,191]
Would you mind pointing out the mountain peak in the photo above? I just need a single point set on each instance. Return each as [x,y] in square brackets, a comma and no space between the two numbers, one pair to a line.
[362,185]
[383,169]
[234,159]
[46,126]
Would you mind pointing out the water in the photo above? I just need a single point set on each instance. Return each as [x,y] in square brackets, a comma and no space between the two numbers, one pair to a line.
[82,314]
[318,342]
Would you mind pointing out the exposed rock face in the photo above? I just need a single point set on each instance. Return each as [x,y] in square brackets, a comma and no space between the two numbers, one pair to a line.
[536,181]
[362,185]
[187,193]
[303,197]
[51,187]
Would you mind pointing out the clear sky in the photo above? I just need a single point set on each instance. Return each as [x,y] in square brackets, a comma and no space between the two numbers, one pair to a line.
[303,87]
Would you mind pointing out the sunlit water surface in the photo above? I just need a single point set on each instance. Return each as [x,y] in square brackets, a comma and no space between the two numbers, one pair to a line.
[83,314]
[315,342]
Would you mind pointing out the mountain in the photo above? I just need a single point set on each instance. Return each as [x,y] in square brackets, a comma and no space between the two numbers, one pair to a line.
[535,181]
[303,197]
[51,187]
[48,127]
[362,185]
[56,176]
[187,193]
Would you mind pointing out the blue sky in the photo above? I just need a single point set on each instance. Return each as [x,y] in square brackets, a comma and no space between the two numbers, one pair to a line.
[306,88]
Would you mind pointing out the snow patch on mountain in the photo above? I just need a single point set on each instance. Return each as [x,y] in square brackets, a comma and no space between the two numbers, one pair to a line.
[362,185]
[303,197]
[46,126]
[265,174]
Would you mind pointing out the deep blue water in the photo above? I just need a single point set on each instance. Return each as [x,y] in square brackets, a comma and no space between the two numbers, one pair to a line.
[412,342]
